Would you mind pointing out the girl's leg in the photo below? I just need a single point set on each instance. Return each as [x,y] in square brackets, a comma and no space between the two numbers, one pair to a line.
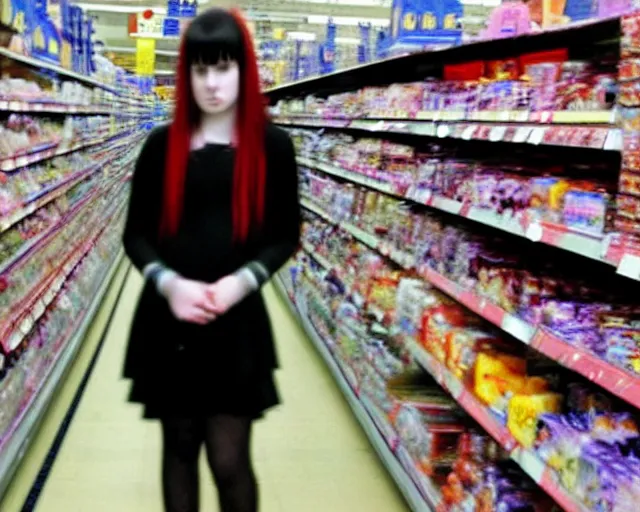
[227,440]
[182,442]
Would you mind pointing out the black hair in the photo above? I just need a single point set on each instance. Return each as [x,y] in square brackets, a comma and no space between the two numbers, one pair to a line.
[213,36]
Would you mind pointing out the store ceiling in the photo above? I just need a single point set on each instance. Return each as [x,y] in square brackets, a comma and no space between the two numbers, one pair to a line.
[308,16]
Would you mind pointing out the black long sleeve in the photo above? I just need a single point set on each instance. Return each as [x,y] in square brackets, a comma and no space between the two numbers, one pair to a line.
[203,248]
[283,207]
[141,228]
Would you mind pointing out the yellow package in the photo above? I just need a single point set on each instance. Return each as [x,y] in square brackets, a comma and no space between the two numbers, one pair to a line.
[524,411]
[498,376]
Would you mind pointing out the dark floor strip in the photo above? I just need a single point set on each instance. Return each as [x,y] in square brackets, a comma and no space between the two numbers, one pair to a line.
[40,481]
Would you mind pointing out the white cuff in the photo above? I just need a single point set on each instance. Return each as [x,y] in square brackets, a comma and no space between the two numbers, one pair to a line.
[163,279]
[248,277]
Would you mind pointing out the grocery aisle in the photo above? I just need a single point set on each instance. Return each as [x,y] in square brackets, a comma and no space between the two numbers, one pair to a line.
[310,453]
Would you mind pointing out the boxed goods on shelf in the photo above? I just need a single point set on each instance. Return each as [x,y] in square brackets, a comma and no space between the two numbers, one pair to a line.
[573,195]
[518,396]
[422,201]
[540,293]
[524,84]
[64,170]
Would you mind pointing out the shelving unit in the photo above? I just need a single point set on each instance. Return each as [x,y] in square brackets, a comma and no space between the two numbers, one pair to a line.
[60,238]
[595,133]
[14,449]
[365,417]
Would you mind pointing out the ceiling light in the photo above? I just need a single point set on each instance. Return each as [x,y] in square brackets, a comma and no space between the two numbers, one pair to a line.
[318,19]
[301,36]
[124,9]
[348,40]
[132,49]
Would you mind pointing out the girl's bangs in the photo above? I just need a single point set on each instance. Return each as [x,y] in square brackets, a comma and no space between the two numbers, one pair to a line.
[213,37]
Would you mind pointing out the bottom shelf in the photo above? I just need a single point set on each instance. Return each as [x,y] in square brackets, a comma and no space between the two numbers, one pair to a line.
[393,465]
[17,445]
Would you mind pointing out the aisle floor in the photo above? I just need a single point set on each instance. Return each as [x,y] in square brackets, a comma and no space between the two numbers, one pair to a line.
[310,453]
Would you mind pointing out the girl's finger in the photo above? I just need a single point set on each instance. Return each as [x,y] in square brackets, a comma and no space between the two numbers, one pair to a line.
[201,316]
[208,306]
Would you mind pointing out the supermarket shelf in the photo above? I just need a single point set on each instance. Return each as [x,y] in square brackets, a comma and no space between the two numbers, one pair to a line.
[322,261]
[609,377]
[561,237]
[525,458]
[44,197]
[412,67]
[34,306]
[51,193]
[66,216]
[40,64]
[33,242]
[543,129]
[389,120]
[53,108]
[18,161]
[393,465]
[18,440]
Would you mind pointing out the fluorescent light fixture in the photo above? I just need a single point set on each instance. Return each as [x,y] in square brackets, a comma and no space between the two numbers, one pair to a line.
[123,9]
[348,40]
[131,49]
[164,72]
[302,36]
[318,19]
[153,36]
[484,3]
[347,3]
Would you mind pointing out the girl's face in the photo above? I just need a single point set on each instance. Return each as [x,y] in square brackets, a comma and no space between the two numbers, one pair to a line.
[215,87]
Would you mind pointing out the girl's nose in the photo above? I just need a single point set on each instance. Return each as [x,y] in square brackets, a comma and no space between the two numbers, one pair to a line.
[212,79]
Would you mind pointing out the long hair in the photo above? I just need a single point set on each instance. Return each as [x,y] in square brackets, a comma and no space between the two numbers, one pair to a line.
[215,35]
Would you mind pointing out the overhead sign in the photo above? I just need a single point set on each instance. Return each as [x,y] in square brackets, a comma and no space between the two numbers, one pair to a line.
[156,26]
[426,22]
[146,24]
[182,8]
[145,56]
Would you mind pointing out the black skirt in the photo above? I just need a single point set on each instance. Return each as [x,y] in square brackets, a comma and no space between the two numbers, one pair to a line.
[250,398]
[185,370]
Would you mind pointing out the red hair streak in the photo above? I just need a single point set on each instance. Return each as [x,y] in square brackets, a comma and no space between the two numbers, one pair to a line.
[249,178]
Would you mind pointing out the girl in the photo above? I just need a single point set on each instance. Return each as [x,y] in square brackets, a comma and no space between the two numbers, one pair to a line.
[213,214]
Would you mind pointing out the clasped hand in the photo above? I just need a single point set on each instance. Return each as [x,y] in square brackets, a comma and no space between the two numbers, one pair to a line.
[201,303]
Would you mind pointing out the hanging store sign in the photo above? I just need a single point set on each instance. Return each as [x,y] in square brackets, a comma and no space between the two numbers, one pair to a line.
[145,56]
[426,22]
[182,8]
[146,24]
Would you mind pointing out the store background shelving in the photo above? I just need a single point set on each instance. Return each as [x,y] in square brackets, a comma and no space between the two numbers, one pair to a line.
[308,109]
[70,140]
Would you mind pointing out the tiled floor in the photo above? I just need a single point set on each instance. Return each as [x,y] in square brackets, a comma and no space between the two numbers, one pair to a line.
[310,453]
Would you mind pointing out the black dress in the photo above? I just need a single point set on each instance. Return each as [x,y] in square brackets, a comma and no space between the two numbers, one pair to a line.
[226,367]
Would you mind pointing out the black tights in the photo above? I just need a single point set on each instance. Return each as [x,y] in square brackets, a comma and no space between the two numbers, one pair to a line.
[227,441]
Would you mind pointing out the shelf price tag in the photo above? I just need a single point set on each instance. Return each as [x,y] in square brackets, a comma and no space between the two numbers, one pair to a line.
[497,134]
[443,131]
[522,134]
[629,266]
[534,232]
[468,132]
[15,340]
[536,136]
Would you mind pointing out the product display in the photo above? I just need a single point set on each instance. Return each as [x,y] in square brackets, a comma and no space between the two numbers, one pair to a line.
[66,156]
[469,261]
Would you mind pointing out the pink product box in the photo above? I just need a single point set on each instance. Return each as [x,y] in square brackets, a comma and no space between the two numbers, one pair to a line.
[613,7]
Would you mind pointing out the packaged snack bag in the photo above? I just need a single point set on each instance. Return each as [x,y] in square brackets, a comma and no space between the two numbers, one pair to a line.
[524,411]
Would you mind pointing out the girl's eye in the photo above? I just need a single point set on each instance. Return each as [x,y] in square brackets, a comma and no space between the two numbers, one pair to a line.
[201,70]
[223,66]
